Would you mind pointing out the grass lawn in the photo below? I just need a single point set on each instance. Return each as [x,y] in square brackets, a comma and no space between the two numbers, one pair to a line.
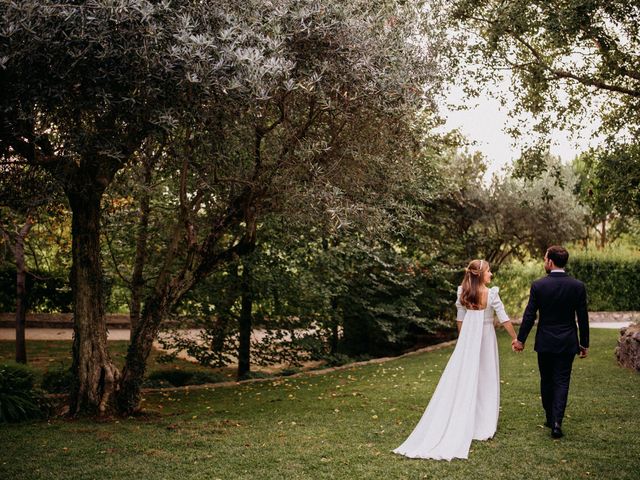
[43,355]
[342,425]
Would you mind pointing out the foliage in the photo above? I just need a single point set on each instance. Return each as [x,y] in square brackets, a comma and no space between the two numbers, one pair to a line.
[45,293]
[84,85]
[178,378]
[569,59]
[510,218]
[58,380]
[610,279]
[19,400]
[384,306]
[318,299]
[608,274]
[615,179]
[545,45]
[608,184]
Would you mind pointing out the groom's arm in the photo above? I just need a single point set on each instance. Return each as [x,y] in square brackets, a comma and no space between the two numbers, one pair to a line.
[583,318]
[529,316]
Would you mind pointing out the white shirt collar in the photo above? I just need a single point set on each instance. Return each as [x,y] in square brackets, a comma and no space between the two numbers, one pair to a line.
[557,270]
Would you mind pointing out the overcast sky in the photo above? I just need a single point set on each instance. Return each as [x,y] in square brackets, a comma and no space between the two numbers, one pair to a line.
[485,122]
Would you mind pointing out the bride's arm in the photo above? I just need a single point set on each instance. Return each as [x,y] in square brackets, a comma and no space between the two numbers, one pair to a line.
[461,310]
[508,326]
[498,307]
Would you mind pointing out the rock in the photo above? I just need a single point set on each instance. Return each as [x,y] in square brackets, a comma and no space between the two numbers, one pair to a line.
[628,349]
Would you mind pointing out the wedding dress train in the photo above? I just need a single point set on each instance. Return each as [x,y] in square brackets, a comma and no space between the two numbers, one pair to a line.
[465,404]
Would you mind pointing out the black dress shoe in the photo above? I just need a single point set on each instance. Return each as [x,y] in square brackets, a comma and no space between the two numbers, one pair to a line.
[556,431]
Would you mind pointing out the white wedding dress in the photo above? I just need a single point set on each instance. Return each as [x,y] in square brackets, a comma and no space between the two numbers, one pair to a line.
[465,404]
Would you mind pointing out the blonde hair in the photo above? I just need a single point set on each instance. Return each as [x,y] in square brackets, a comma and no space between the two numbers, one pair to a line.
[472,282]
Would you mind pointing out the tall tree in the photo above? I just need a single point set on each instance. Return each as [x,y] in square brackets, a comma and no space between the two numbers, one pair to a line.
[82,86]
[324,94]
[510,217]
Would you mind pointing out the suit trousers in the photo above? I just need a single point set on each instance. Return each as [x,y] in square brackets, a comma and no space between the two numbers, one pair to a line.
[555,375]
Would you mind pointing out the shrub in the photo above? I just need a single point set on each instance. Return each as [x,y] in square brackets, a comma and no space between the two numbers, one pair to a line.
[285,372]
[46,292]
[58,380]
[19,400]
[337,360]
[252,374]
[611,279]
[200,378]
[179,378]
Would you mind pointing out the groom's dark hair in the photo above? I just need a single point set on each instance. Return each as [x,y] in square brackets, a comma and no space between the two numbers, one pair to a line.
[558,255]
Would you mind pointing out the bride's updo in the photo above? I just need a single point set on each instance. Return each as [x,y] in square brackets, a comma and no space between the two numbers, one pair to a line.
[472,282]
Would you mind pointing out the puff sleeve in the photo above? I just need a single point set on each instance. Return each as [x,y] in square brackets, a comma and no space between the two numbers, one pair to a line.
[498,306]
[461,308]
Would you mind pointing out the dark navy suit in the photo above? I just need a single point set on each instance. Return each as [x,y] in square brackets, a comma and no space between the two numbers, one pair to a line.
[559,299]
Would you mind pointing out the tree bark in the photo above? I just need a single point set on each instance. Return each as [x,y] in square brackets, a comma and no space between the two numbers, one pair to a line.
[137,277]
[246,320]
[142,337]
[200,261]
[335,318]
[335,322]
[21,292]
[95,373]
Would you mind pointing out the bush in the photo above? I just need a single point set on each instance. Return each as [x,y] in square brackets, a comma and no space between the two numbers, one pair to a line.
[337,360]
[58,380]
[611,279]
[252,374]
[179,378]
[19,400]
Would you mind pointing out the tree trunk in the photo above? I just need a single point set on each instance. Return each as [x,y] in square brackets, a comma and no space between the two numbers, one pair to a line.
[21,293]
[244,348]
[168,291]
[603,234]
[335,318]
[142,337]
[137,277]
[335,321]
[94,372]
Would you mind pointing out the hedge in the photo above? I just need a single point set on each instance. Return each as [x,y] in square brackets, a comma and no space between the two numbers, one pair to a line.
[612,280]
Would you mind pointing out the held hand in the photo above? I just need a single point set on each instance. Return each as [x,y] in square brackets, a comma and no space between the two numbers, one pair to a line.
[516,345]
[584,351]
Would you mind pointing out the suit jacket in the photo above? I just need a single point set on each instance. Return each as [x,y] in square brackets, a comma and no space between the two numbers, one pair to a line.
[558,298]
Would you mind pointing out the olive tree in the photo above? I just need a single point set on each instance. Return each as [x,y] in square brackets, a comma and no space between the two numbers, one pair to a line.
[326,101]
[83,85]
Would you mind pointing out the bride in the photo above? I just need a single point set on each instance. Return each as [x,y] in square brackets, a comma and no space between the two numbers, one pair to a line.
[465,404]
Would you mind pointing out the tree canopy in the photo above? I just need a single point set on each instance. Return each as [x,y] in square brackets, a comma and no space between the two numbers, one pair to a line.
[568,59]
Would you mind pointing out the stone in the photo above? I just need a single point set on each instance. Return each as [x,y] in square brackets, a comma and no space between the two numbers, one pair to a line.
[628,349]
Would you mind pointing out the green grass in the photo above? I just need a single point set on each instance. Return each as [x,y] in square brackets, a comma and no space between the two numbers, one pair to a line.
[343,425]
[43,355]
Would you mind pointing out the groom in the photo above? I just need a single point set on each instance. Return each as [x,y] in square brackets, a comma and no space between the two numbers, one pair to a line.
[558,298]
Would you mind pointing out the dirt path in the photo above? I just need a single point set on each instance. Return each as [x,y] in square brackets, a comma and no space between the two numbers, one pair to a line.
[123,333]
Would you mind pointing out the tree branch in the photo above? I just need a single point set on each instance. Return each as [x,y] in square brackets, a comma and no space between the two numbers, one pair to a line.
[558,73]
